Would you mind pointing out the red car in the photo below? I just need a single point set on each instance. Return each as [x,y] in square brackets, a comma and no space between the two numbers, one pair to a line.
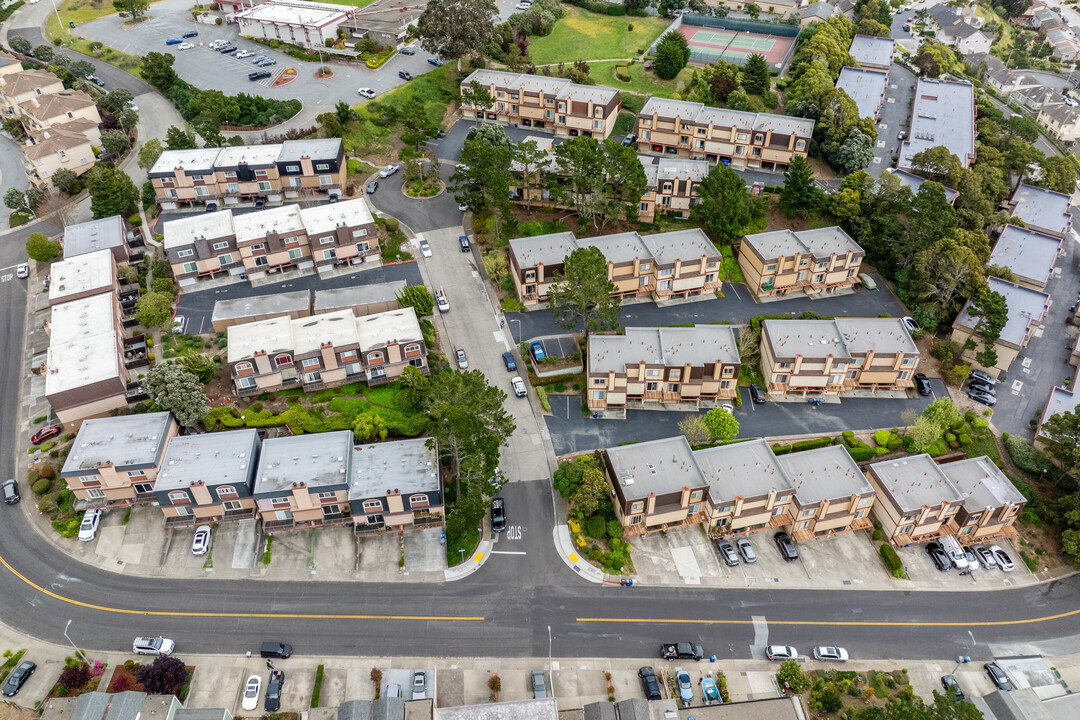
[49,431]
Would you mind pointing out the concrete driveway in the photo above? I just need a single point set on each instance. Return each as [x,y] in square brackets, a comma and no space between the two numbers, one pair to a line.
[895,116]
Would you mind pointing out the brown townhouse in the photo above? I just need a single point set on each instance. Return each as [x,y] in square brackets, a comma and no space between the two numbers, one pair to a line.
[835,356]
[324,350]
[552,103]
[219,177]
[208,478]
[732,137]
[657,485]
[395,486]
[662,369]
[809,261]
[114,461]
[916,501]
[748,489]
[682,263]
[991,502]
[278,239]
[831,493]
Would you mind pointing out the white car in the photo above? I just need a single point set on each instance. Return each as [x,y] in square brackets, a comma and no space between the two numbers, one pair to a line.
[519,386]
[367,93]
[781,652]
[828,653]
[462,360]
[132,106]
[252,690]
[89,525]
[522,6]
[1004,562]
[179,324]
[389,170]
[201,543]
[245,54]
[425,248]
[153,646]
[217,43]
[23,271]
[185,46]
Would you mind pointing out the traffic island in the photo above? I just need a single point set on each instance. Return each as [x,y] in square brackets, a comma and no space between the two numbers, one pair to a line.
[287,76]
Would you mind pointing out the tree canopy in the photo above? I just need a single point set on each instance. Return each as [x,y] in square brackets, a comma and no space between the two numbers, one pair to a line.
[581,295]
[172,387]
[724,209]
[457,28]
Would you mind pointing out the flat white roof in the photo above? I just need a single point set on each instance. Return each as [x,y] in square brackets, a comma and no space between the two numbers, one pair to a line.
[191,161]
[315,459]
[279,303]
[248,154]
[89,360]
[866,87]
[124,441]
[381,328]
[249,338]
[311,333]
[251,226]
[295,13]
[92,271]
[407,466]
[82,318]
[943,114]
[326,218]
[218,458]
[93,235]
[185,231]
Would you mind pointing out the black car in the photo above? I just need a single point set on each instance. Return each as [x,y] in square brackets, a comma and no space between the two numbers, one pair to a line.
[228,49]
[11,492]
[786,546]
[261,75]
[18,678]
[649,683]
[629,140]
[508,361]
[726,552]
[983,387]
[273,690]
[982,397]
[191,33]
[405,75]
[756,395]
[440,134]
[1001,680]
[937,554]
[372,187]
[922,384]
[949,684]
[498,515]
[260,203]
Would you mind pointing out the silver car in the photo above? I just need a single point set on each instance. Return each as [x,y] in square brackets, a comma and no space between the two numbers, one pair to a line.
[462,361]
[419,685]
[746,550]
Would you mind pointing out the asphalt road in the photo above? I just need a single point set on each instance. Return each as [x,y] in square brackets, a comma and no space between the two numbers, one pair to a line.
[113,76]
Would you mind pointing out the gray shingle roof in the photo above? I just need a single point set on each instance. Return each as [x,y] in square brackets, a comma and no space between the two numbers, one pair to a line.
[819,243]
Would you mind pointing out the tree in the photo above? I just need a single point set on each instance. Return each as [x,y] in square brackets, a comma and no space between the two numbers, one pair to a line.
[171,387]
[15,199]
[156,69]
[580,161]
[66,181]
[115,142]
[418,297]
[942,276]
[672,54]
[581,295]
[369,426]
[937,164]
[800,196]
[164,677]
[343,111]
[755,79]
[111,192]
[415,387]
[993,313]
[149,153]
[453,30]
[592,490]
[1062,431]
[133,7]
[790,677]
[477,96]
[482,177]
[694,429]
[20,44]
[723,427]
[44,53]
[753,10]
[154,309]
[942,413]
[923,432]
[179,139]
[855,153]
[116,100]
[202,366]
[41,248]
[532,160]
[724,209]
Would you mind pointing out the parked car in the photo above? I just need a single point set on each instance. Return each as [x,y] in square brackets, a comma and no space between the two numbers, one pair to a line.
[828,653]
[260,75]
[982,397]
[152,645]
[781,652]
[650,685]
[267,62]
[49,431]
[372,187]
[173,41]
[910,324]
[185,46]
[425,248]
[709,692]
[522,6]
[393,690]
[498,514]
[419,685]
[227,50]
[746,550]
[686,690]
[539,688]
[922,384]
[252,690]
[22,271]
[726,552]
[435,61]
[998,676]
[508,361]
[405,75]
[258,58]
[629,140]
[440,300]
[537,351]
[982,377]
[980,386]
[518,384]
[245,54]
[11,492]
[756,394]
[462,360]
[190,34]
[786,546]
[89,525]
[200,544]
[1003,560]
[972,561]
[95,79]
[18,678]
[179,325]
[463,241]
[408,50]
[215,44]
[949,684]
[367,93]
[938,556]
[389,170]
[986,557]
[273,691]
[681,651]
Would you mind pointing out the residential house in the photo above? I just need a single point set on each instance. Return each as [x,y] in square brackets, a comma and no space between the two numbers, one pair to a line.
[672,186]
[1062,121]
[395,486]
[185,177]
[991,502]
[959,28]
[48,111]
[303,481]
[657,485]
[296,22]
[1007,81]
[682,263]
[208,478]
[1028,254]
[388,26]
[661,368]
[732,137]
[1064,45]
[238,311]
[1034,98]
[566,108]
[836,356]
[748,490]
[54,149]
[874,53]
[306,166]
[9,65]
[109,233]
[822,260]
[943,114]
[865,87]
[915,499]
[914,182]
[245,172]
[831,493]
[1026,308]
[19,87]
[1043,210]
[126,705]
[361,299]
[815,12]
[80,277]
[115,461]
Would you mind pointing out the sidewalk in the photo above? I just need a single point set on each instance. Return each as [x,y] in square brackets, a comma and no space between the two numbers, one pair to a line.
[570,555]
[474,563]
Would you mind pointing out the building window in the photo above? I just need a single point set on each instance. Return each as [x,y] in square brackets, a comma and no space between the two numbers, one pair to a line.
[136,474]
[283,515]
[322,166]
[245,383]
[292,168]
[279,500]
[227,492]
[230,175]
[375,357]
[296,254]
[644,207]
[673,387]
[264,186]
[861,514]
[232,505]
[200,190]
[782,379]
[184,253]
[143,488]
[650,387]
[190,267]
[225,259]
[373,505]
[283,360]
[803,525]
[312,377]
[598,395]
[244,368]
[347,357]
[412,349]
[362,232]
[311,363]
[637,507]
[599,382]
[326,240]
[179,497]
[221,246]
[326,180]
[330,254]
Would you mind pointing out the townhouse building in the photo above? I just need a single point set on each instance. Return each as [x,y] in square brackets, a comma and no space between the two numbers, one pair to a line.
[672,186]
[1061,120]
[943,114]
[865,87]
[303,481]
[114,461]
[657,485]
[682,263]
[56,149]
[82,276]
[361,299]
[395,486]
[992,503]
[661,369]
[1061,400]
[59,108]
[324,350]
[831,493]
[822,260]
[914,182]
[748,490]
[916,500]
[875,53]
[287,238]
[1026,309]
[238,311]
[1042,210]
[837,356]
[109,233]
[732,137]
[220,177]
[19,87]
[208,478]
[1030,255]
[552,103]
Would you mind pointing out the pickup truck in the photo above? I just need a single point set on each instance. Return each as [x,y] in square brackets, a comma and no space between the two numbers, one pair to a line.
[682,651]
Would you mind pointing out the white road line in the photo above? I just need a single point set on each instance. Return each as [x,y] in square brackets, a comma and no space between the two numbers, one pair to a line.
[508,552]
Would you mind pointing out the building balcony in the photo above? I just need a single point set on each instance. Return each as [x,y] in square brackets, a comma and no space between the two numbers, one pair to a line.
[241,514]
[180,521]
[270,526]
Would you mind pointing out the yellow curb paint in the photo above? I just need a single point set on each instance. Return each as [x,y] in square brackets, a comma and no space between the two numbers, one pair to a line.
[573,557]
[478,557]
[834,623]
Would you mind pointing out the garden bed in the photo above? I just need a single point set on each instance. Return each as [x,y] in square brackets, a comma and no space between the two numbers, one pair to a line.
[423,189]
[286,77]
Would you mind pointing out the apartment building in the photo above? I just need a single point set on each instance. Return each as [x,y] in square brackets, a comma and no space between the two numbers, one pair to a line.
[672,186]
[657,485]
[114,461]
[56,149]
[1026,309]
[1042,210]
[943,114]
[254,245]
[552,103]
[831,493]
[916,500]
[822,260]
[19,87]
[324,350]
[218,177]
[748,490]
[109,233]
[1062,121]
[991,502]
[875,53]
[239,311]
[49,111]
[1028,254]
[732,137]
[837,356]
[662,369]
[83,276]
[303,481]
[865,87]
[395,486]
[663,266]
[208,478]
[361,299]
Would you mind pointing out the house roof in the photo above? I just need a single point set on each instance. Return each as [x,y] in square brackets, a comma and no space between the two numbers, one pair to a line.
[321,219]
[281,12]
[1030,255]
[125,441]
[92,271]
[663,248]
[689,244]
[28,80]
[316,149]
[915,481]
[93,235]
[310,334]
[90,360]
[316,459]
[197,161]
[49,106]
[200,226]
[80,319]
[658,466]
[374,331]
[533,709]
[551,249]
[1061,401]
[1060,113]
[746,469]
[58,139]
[865,87]
[981,483]
[1039,95]
[666,167]
[943,114]
[231,454]
[913,181]
[347,297]
[821,10]
[246,339]
[669,346]
[818,243]
[840,337]
[405,466]
[722,117]
[823,473]
[554,86]
[1025,306]
[298,301]
[870,50]
[281,220]
[250,155]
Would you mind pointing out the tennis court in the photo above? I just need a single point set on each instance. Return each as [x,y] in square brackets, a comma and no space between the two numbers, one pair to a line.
[707,45]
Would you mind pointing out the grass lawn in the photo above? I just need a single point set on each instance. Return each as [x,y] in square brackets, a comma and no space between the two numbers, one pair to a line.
[79,12]
[646,83]
[988,13]
[582,35]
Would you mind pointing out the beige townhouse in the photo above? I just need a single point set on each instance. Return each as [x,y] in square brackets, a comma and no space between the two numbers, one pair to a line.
[49,111]
[677,264]
[672,186]
[732,137]
[1026,309]
[55,149]
[114,461]
[748,490]
[837,356]
[916,500]
[208,478]
[1061,120]
[538,101]
[395,486]
[657,485]
[303,481]
[831,493]
[658,368]
[20,87]
[821,260]
[991,504]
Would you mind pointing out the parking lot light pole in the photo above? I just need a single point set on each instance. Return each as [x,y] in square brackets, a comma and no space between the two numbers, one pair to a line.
[58,20]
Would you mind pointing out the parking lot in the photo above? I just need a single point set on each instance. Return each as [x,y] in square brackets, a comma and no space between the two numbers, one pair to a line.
[921,570]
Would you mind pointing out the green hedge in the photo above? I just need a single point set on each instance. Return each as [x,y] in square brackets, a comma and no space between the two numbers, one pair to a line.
[381,58]
[896,566]
[861,454]
[811,444]
[779,449]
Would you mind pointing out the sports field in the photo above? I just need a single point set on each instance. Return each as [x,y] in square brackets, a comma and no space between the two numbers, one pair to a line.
[707,45]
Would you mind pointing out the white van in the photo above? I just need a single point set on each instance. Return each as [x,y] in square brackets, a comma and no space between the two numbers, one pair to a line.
[954,551]
[440,300]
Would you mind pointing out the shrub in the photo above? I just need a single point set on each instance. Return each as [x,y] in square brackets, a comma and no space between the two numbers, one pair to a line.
[963,438]
[811,444]
[75,678]
[1026,456]
[41,486]
[896,566]
[781,449]
[47,471]
[544,402]
[861,454]
[614,532]
[881,437]
[595,527]
[944,350]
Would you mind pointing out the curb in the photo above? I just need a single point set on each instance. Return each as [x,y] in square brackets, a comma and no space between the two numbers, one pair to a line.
[561,535]
[474,563]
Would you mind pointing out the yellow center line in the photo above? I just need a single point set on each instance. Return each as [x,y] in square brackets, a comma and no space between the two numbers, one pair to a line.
[293,616]
[838,623]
